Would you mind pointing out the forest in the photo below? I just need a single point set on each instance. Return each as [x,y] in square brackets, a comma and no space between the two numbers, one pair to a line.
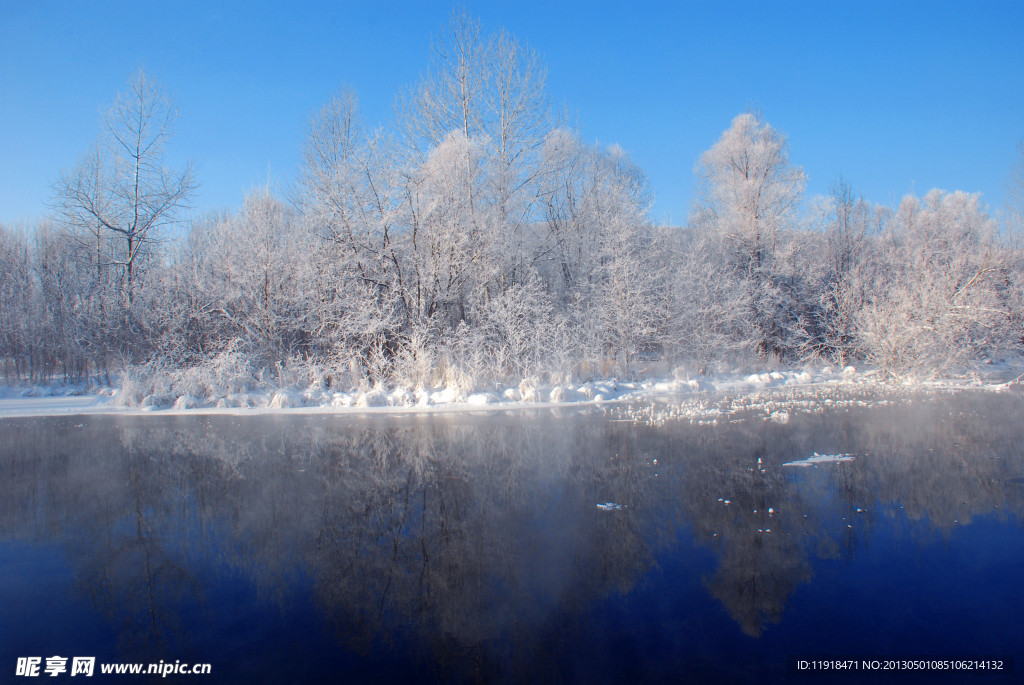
[478,240]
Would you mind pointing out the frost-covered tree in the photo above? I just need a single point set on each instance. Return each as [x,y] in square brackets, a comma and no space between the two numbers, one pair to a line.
[122,192]
[748,193]
[840,280]
[18,298]
[347,190]
[256,275]
[709,307]
[491,90]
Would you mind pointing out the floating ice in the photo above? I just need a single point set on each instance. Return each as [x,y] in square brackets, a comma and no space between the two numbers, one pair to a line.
[609,506]
[820,459]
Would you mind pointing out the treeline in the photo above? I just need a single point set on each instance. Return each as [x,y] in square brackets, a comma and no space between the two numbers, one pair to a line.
[479,240]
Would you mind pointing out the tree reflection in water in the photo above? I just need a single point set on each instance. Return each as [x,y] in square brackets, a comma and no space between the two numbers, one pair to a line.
[475,542]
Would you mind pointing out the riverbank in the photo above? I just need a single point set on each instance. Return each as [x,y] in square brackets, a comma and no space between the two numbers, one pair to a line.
[742,389]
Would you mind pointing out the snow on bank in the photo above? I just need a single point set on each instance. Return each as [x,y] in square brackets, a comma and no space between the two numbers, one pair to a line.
[773,395]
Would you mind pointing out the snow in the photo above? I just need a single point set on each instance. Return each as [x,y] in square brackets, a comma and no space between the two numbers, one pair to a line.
[565,394]
[56,406]
[341,399]
[187,402]
[512,395]
[773,395]
[284,400]
[446,396]
[374,398]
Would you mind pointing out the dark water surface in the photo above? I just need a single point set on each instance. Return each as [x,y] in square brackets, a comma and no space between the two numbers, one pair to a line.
[470,548]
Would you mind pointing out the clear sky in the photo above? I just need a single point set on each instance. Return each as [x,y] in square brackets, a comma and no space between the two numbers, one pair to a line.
[896,96]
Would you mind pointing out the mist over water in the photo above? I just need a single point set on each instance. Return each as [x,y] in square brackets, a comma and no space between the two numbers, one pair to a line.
[471,548]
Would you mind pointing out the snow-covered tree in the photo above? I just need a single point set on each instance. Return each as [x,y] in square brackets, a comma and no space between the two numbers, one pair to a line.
[840,280]
[748,191]
[748,194]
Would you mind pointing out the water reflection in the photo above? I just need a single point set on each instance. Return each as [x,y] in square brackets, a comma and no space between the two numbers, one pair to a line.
[474,544]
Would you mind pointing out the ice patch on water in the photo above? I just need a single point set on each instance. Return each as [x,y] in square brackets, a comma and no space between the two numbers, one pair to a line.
[821,459]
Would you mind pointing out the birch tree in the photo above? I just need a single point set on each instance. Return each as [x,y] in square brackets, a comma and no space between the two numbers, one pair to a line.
[123,187]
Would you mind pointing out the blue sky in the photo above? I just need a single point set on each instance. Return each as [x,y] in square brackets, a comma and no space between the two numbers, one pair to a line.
[896,96]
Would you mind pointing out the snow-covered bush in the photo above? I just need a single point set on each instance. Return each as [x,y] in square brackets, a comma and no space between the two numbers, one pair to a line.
[939,299]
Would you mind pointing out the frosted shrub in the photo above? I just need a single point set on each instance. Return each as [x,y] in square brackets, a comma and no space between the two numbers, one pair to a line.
[134,387]
[519,328]
[457,377]
[936,303]
[229,371]
[709,305]
[414,364]
[467,361]
[529,389]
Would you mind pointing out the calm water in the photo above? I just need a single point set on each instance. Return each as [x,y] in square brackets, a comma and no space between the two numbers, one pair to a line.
[470,548]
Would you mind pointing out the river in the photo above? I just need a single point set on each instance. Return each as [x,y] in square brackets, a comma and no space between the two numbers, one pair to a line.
[565,545]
